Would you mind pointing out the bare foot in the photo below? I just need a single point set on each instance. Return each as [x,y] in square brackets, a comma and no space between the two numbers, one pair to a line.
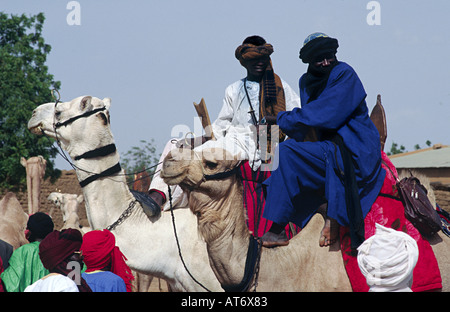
[329,233]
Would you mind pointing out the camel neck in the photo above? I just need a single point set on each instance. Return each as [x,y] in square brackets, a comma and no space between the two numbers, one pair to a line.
[114,196]
[227,249]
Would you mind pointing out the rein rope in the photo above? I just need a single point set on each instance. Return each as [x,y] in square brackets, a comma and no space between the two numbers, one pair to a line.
[99,152]
[178,244]
[252,262]
[254,250]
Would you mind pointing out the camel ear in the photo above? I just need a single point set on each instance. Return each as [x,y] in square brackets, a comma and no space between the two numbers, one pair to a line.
[85,103]
[107,102]
[43,160]
[23,161]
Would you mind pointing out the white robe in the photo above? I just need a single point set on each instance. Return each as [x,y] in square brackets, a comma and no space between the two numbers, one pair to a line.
[233,130]
[53,283]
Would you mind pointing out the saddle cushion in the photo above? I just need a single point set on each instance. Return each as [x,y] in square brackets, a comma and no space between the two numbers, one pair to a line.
[390,213]
[254,201]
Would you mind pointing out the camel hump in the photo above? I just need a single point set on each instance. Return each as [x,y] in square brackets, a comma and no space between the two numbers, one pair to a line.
[9,203]
[378,117]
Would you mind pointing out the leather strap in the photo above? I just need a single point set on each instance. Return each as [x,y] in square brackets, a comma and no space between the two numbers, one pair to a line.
[108,172]
[99,152]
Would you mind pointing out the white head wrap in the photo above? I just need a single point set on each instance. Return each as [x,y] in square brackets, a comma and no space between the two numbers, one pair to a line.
[387,260]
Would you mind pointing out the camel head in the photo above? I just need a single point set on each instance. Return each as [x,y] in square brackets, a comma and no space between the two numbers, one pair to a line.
[208,176]
[79,125]
[68,203]
[195,170]
[35,165]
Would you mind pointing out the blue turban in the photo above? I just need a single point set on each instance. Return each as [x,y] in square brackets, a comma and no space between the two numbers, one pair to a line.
[317,44]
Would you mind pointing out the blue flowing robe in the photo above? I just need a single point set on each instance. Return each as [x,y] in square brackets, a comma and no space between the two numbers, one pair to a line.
[308,172]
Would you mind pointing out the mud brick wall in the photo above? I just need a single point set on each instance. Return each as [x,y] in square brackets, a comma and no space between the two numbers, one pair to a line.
[67,183]
[442,193]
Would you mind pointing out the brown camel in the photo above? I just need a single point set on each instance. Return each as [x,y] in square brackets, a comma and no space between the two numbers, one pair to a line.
[217,203]
[35,167]
[13,221]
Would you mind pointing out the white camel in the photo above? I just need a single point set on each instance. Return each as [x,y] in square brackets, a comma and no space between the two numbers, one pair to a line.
[217,203]
[13,221]
[35,168]
[69,205]
[82,126]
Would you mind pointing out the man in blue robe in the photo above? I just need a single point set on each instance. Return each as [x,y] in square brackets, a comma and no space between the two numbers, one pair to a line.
[341,167]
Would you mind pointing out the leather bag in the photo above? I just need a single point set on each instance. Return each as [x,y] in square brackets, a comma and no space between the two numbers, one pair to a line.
[418,208]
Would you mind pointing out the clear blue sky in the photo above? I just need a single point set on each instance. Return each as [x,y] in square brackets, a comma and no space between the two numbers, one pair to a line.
[155,58]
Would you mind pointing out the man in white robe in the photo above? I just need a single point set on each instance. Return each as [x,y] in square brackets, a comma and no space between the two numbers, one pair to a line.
[235,128]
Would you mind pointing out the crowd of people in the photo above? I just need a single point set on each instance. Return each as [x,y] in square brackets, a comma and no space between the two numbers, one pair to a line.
[63,261]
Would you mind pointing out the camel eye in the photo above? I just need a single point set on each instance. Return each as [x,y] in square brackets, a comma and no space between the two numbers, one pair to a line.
[210,164]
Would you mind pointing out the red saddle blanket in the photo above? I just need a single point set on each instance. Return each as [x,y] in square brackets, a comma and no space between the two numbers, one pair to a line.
[254,201]
[390,213]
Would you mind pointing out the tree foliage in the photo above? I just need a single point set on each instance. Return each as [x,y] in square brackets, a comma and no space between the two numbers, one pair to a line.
[24,84]
[140,158]
[395,149]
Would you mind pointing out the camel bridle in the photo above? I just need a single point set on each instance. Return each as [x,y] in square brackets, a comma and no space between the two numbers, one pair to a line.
[98,152]
[71,120]
[251,270]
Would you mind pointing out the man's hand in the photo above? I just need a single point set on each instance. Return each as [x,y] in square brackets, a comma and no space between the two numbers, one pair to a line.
[269,120]
[192,142]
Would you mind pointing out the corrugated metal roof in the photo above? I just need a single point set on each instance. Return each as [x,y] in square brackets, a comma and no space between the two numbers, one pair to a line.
[437,156]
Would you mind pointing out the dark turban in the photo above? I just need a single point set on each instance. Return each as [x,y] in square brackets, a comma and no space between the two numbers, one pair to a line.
[40,225]
[58,246]
[248,51]
[317,44]
[55,252]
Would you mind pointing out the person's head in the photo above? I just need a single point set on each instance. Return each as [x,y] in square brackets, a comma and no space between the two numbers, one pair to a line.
[387,260]
[254,55]
[39,225]
[59,248]
[255,40]
[57,252]
[97,249]
[101,253]
[319,51]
